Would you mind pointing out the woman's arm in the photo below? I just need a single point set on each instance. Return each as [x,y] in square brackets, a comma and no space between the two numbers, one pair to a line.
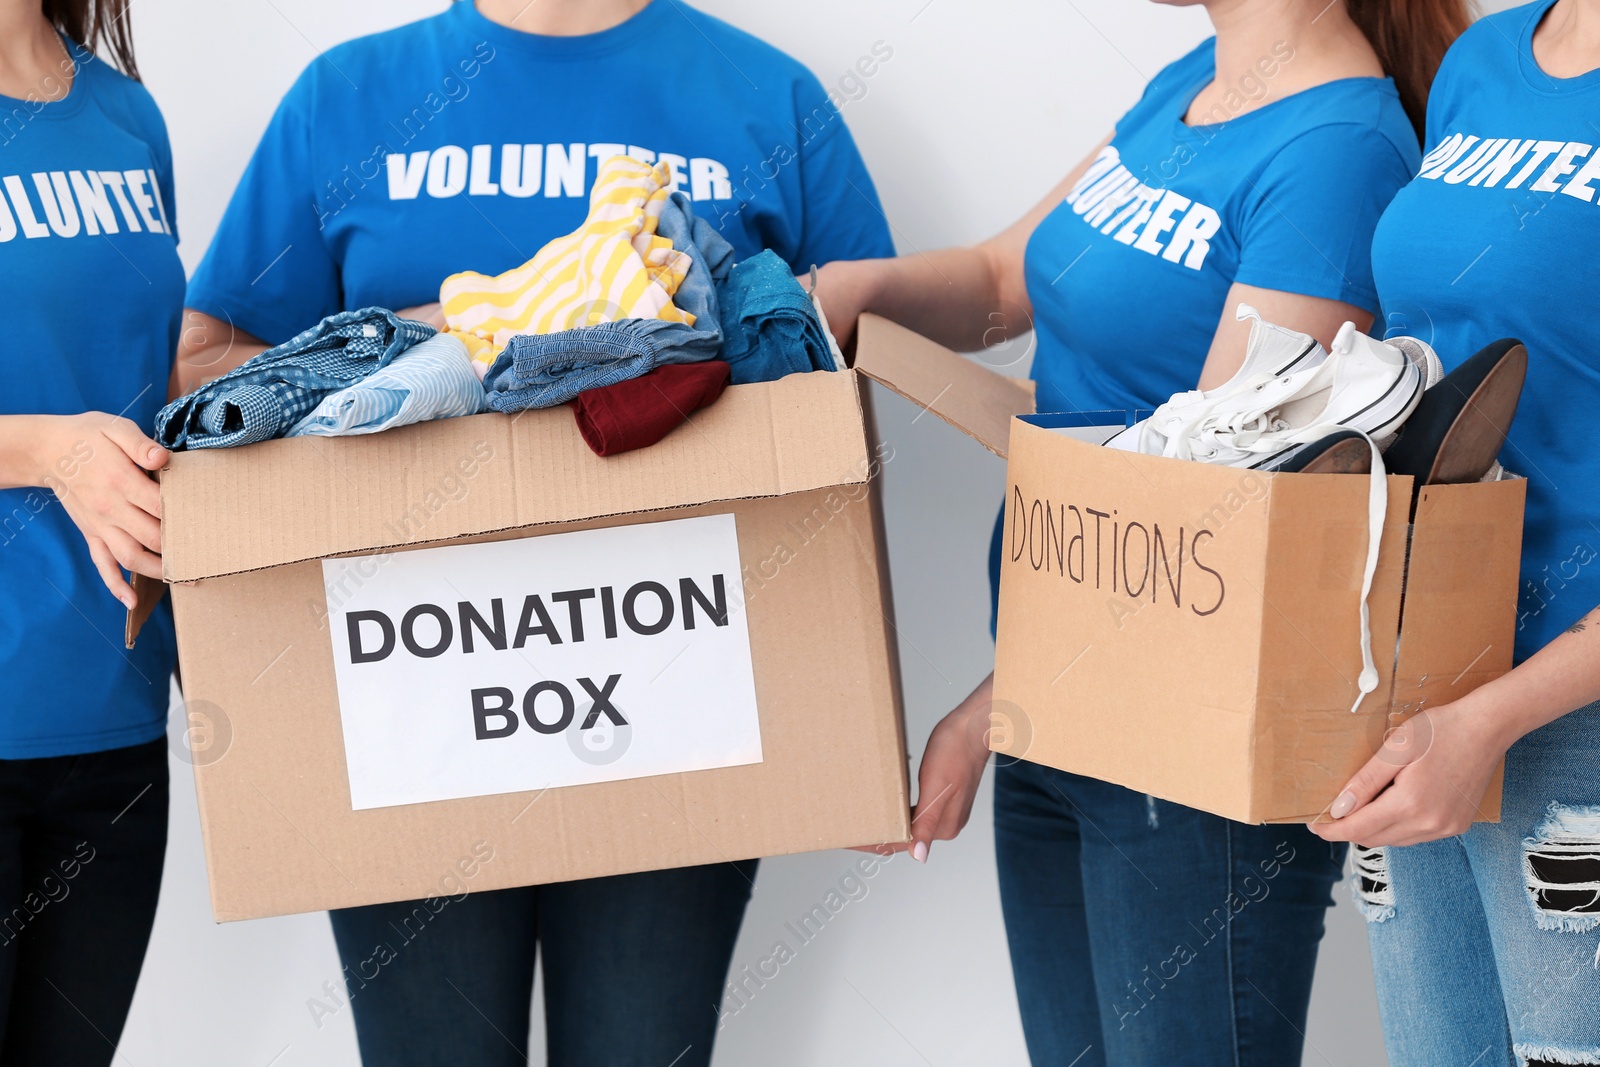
[208,348]
[947,781]
[964,298]
[1314,315]
[1428,778]
[97,465]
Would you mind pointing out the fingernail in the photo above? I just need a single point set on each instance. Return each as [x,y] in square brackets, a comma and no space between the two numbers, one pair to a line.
[127,602]
[919,852]
[155,454]
[1344,805]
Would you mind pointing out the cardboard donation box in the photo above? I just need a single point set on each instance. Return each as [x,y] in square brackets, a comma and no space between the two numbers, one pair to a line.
[1193,631]
[470,654]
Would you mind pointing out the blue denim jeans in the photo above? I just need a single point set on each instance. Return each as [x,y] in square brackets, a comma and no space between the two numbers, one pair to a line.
[546,369]
[1485,945]
[1144,932]
[634,968]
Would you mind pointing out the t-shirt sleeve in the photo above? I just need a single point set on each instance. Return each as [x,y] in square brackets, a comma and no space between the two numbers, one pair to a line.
[841,216]
[269,272]
[1308,222]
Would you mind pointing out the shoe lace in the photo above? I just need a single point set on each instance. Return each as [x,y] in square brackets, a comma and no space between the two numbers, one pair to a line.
[1200,430]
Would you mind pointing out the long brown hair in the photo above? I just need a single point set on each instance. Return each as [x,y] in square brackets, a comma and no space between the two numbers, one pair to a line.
[99,25]
[1410,37]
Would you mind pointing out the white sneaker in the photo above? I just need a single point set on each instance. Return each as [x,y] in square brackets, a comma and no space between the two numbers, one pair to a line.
[1364,384]
[1271,352]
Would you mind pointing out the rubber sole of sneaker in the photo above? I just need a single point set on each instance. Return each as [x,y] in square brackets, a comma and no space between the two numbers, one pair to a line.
[1345,452]
[1460,427]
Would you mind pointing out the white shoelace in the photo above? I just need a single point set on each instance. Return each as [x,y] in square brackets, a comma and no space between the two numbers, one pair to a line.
[1185,414]
[1247,430]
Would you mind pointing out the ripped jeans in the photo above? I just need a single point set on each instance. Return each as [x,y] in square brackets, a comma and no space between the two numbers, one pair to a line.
[1486,946]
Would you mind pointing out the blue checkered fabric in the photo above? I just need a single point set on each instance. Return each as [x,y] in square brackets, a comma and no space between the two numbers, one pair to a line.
[266,395]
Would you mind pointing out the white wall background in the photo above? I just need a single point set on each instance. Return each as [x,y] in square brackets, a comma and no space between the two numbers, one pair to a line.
[982,108]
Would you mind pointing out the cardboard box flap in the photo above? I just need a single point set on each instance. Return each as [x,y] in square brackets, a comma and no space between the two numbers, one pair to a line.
[967,395]
[303,498]
[1459,622]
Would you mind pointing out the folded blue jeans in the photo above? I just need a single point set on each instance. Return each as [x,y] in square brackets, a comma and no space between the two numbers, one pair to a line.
[769,326]
[1483,945]
[546,369]
[266,395]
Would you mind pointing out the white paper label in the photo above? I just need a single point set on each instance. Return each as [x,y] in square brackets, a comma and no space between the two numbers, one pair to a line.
[559,660]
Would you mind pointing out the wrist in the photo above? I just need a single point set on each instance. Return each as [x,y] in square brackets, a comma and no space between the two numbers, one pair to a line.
[1496,719]
[860,278]
[27,449]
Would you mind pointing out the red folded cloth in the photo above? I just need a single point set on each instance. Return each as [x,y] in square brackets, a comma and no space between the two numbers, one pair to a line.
[641,411]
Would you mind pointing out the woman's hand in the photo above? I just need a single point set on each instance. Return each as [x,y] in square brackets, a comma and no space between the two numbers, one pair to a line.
[97,465]
[1425,782]
[952,767]
[432,314]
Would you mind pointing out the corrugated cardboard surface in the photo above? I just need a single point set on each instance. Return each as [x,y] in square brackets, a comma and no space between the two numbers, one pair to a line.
[280,835]
[970,397]
[1244,712]
[1118,687]
[1307,740]
[246,529]
[308,497]
[1461,592]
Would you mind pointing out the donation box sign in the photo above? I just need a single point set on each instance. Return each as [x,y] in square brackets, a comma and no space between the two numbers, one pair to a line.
[558,660]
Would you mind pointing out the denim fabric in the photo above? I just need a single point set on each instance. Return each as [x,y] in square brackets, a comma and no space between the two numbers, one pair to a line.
[1481,956]
[267,394]
[1144,932]
[89,833]
[431,380]
[634,967]
[769,326]
[713,259]
[543,370]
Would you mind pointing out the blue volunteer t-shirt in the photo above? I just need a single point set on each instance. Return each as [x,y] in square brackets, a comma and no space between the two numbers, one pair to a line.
[455,143]
[1129,275]
[89,263]
[1496,238]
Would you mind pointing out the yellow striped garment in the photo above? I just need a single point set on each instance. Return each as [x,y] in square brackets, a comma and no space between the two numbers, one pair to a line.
[612,267]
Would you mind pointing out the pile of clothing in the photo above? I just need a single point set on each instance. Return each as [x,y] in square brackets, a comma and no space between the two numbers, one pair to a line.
[638,318]
[644,292]
[1356,408]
